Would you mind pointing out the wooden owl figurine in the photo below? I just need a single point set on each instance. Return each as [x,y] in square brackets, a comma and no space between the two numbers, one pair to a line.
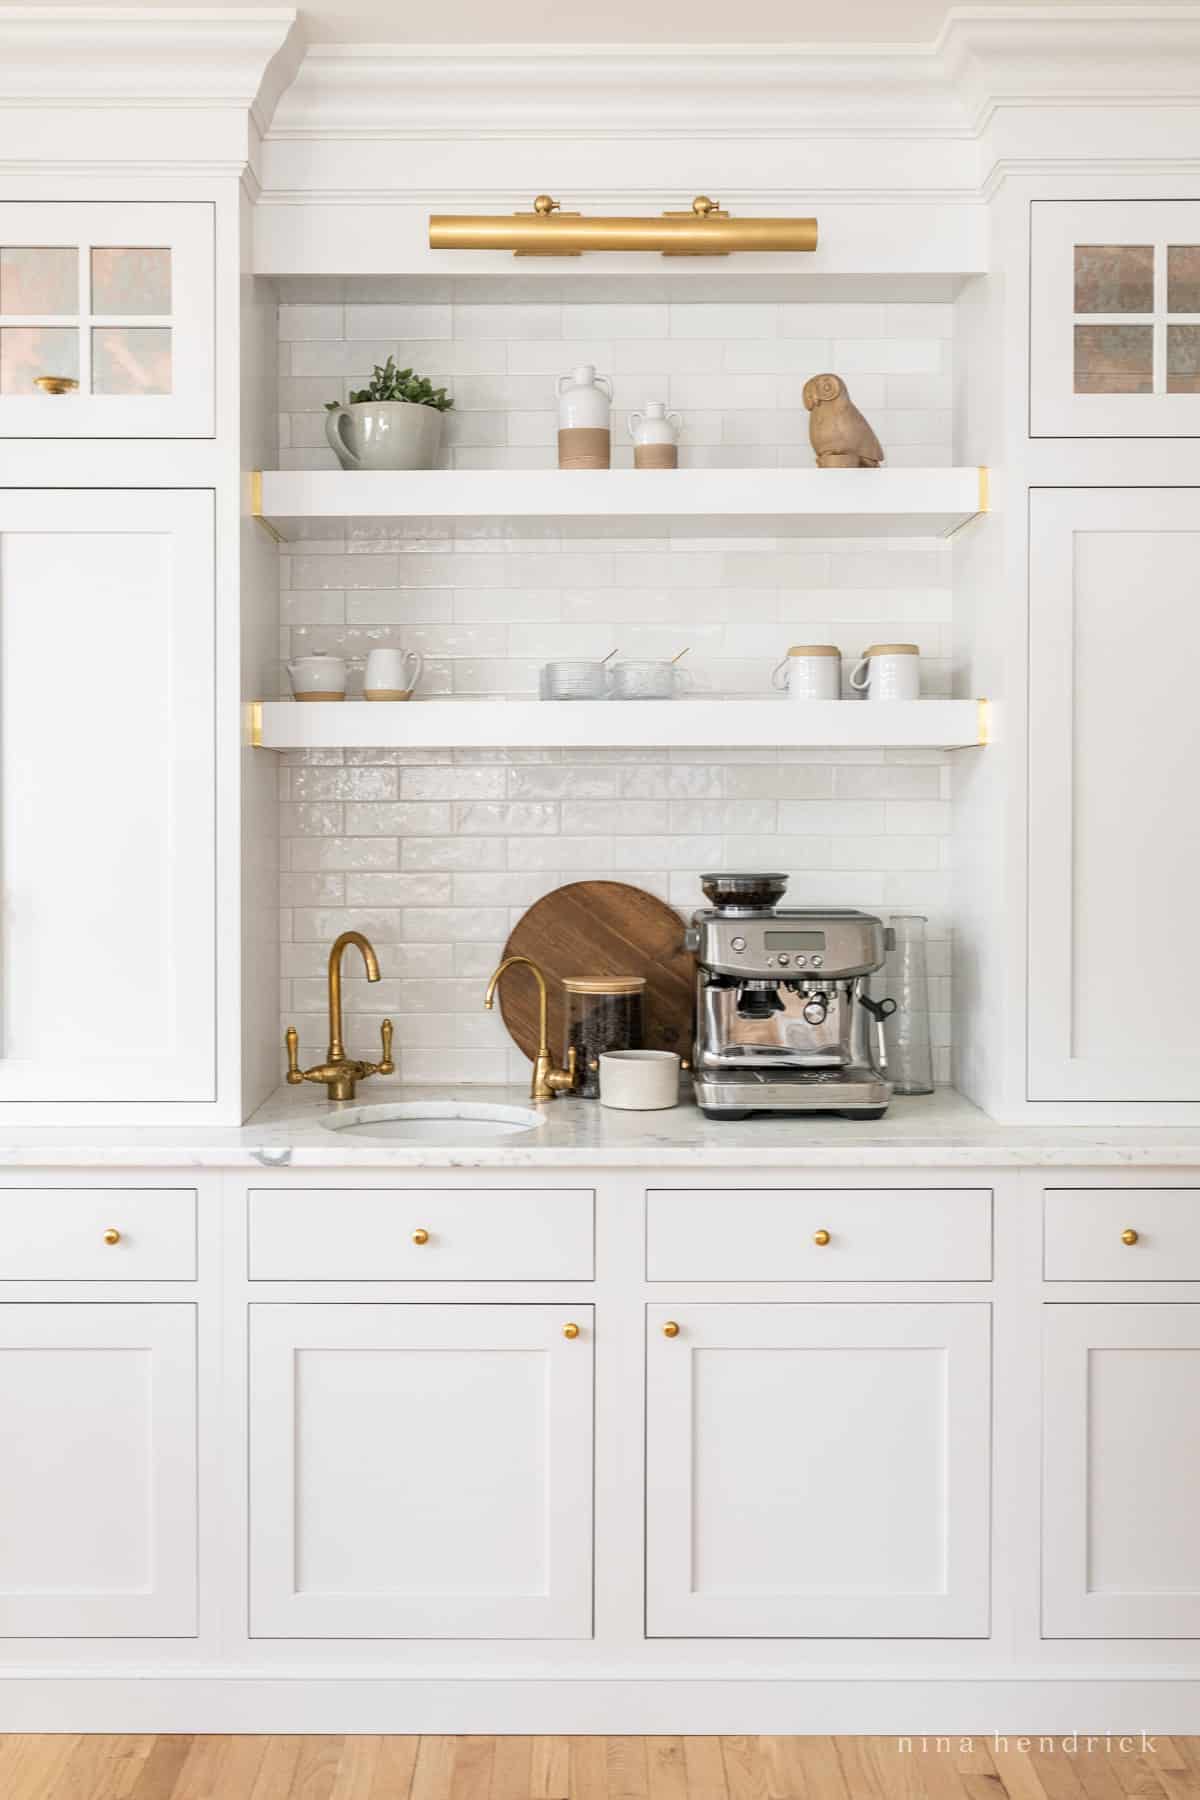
[837,431]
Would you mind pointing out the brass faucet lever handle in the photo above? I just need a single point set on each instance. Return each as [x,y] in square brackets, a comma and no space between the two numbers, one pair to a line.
[387,1066]
[292,1040]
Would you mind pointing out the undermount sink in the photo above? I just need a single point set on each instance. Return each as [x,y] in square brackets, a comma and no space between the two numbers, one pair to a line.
[435,1121]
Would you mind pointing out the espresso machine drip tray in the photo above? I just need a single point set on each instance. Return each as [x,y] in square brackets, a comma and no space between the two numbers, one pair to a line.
[854,1093]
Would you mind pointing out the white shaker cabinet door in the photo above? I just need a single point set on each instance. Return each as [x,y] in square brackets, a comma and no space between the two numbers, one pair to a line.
[1114,854]
[818,1470]
[1115,318]
[107,805]
[106,319]
[98,1499]
[1121,1549]
[420,1471]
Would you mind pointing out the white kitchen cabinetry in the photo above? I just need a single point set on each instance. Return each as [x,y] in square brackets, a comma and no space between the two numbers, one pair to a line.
[117,298]
[818,1470]
[1121,1553]
[107,770]
[1114,860]
[98,1500]
[1115,331]
[421,1471]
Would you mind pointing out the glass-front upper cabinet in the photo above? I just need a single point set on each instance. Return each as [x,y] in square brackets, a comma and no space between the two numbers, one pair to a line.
[1115,318]
[106,319]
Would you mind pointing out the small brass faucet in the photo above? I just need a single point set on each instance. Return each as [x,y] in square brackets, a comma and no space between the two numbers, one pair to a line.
[547,1082]
[340,1072]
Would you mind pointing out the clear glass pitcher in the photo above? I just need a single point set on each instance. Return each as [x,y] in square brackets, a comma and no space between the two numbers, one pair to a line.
[910,1056]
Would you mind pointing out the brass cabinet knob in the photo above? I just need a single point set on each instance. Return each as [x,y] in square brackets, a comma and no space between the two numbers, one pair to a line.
[1129,1235]
[571,1330]
[112,1235]
[420,1235]
[670,1329]
[821,1237]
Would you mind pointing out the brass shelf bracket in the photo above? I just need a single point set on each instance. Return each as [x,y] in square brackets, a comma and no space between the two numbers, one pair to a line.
[256,506]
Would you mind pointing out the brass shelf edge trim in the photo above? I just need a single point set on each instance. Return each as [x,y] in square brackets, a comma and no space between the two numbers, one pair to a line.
[256,510]
[254,724]
[984,489]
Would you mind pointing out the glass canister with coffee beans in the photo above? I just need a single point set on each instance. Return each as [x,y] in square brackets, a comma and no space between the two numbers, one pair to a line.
[603,1012]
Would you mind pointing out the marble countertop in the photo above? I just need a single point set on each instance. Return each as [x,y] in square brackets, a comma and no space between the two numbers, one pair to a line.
[940,1131]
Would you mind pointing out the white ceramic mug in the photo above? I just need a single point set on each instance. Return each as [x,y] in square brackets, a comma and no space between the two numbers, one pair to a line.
[810,672]
[392,674]
[639,1080]
[318,677]
[888,672]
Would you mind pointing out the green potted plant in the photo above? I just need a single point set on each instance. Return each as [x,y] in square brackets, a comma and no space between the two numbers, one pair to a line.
[395,422]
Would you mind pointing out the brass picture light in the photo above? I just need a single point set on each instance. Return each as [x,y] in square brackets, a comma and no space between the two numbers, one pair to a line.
[548,231]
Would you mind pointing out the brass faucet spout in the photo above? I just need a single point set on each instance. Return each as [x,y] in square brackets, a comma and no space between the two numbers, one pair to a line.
[339,1072]
[547,1081]
[340,946]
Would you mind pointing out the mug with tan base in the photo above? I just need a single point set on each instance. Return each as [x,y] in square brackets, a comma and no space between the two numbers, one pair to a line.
[392,674]
[888,672]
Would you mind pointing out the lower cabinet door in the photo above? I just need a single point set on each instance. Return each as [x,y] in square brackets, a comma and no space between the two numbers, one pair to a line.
[421,1471]
[818,1470]
[1121,1548]
[98,1496]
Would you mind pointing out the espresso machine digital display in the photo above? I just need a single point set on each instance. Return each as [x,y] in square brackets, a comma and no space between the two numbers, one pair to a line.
[794,940]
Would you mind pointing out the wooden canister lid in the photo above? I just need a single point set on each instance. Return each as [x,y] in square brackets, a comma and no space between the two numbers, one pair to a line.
[604,984]
[892,650]
[814,650]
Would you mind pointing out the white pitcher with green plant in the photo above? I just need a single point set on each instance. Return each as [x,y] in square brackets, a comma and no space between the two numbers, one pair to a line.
[395,422]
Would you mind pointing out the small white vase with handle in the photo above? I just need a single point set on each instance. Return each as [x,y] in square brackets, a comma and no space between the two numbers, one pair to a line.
[385,434]
[584,419]
[655,435]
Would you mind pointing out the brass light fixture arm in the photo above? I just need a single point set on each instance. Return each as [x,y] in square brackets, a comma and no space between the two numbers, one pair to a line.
[340,1072]
[705,229]
[547,1081]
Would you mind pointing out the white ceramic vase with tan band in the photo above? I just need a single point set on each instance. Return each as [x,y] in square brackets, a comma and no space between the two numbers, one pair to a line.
[655,435]
[318,677]
[584,419]
[810,672]
[888,672]
[392,674]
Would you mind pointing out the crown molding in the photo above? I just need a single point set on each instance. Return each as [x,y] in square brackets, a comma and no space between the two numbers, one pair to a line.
[984,57]
[77,57]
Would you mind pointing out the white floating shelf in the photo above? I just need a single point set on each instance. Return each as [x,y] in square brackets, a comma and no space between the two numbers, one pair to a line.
[627,724]
[701,502]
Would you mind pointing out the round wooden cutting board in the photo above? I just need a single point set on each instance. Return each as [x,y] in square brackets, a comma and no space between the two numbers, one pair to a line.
[601,928]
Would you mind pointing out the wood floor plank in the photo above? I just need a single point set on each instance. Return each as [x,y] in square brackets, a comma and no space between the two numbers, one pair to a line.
[433,1772]
[859,1773]
[277,1769]
[512,1769]
[472,1777]
[1017,1774]
[745,1768]
[357,1768]
[705,1766]
[36,1774]
[940,1778]
[899,1772]
[90,1772]
[316,1768]
[160,1770]
[550,1772]
[625,1768]
[394,1771]
[588,1768]
[666,1770]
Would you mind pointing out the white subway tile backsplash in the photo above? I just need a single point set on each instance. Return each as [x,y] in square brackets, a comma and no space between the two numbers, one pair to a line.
[435,854]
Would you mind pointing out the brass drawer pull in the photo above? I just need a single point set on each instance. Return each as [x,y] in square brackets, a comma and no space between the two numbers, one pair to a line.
[821,1238]
[420,1235]
[112,1235]
[571,1330]
[1129,1235]
[670,1329]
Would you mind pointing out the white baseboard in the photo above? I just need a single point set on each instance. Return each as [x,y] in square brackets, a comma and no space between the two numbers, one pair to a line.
[271,1703]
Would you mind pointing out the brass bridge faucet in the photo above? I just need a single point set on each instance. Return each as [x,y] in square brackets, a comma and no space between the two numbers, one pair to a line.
[340,1072]
[547,1082]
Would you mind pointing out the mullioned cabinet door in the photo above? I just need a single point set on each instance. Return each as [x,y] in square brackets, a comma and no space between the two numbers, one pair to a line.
[106,319]
[1121,1552]
[98,1501]
[107,799]
[1115,318]
[818,1470]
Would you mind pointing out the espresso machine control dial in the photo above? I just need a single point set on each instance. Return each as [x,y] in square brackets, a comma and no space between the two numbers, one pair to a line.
[737,943]
[815,1010]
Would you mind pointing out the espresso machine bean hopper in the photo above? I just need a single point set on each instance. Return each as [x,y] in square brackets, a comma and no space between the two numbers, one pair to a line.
[784,1022]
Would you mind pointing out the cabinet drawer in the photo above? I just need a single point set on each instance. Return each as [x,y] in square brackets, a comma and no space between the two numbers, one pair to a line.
[66,1234]
[1085,1231]
[421,1234]
[779,1234]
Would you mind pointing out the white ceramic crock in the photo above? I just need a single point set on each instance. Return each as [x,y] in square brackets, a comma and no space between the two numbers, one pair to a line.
[392,674]
[584,419]
[888,672]
[655,435]
[318,677]
[385,434]
[639,1080]
[810,672]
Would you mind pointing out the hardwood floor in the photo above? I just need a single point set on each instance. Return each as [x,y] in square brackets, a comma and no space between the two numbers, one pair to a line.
[594,1768]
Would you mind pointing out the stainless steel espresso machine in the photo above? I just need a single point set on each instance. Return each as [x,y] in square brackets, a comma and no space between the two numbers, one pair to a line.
[783,1021]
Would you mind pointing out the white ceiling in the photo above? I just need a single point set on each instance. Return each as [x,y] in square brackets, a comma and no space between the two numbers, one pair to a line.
[623,21]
